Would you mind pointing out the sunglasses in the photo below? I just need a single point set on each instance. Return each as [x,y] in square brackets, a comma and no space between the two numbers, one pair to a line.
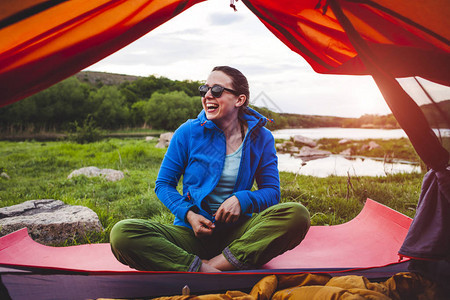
[216,90]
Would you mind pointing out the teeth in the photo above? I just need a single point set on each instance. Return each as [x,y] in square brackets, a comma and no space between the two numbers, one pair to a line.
[212,106]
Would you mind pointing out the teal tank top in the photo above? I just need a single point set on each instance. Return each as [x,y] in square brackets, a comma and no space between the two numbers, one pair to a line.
[224,189]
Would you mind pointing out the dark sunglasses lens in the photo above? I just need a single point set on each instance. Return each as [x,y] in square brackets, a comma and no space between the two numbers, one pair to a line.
[203,89]
[217,91]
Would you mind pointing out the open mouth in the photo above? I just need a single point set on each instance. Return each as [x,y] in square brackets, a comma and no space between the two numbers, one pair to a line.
[211,107]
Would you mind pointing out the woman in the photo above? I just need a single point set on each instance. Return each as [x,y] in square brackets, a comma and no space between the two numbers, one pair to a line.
[220,222]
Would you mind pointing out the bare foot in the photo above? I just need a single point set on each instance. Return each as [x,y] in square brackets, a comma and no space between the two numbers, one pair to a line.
[221,263]
[206,268]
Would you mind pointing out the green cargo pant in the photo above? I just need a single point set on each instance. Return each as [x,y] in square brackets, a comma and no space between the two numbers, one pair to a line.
[146,245]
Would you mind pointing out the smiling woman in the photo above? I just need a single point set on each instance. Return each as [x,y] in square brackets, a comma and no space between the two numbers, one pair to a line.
[221,223]
[222,108]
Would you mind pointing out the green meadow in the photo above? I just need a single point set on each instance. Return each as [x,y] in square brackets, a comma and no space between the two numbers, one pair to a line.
[39,170]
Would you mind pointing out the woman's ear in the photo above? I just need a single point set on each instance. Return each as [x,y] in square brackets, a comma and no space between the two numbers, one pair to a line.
[241,100]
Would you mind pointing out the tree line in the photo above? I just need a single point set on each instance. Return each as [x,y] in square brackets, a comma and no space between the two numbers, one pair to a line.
[150,102]
[155,102]
[285,120]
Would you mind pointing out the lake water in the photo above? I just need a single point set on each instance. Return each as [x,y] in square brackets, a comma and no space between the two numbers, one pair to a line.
[339,165]
[340,133]
[347,133]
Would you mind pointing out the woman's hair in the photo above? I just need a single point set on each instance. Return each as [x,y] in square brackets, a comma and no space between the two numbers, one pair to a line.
[238,81]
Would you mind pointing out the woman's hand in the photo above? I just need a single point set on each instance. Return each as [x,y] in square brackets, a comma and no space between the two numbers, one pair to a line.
[201,225]
[229,211]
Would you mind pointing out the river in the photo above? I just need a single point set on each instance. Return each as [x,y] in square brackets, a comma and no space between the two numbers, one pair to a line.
[339,165]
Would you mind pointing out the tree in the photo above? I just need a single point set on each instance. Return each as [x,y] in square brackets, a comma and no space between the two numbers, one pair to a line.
[168,111]
[109,106]
[62,103]
[138,117]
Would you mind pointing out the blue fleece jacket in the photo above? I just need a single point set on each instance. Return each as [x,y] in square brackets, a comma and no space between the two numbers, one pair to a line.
[197,151]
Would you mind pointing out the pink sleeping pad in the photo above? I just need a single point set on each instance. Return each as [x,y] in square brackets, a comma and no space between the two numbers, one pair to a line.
[371,239]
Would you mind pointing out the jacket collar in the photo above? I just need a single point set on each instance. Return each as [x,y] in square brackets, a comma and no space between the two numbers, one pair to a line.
[251,116]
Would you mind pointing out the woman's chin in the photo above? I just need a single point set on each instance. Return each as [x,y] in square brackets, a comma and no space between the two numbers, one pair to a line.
[211,115]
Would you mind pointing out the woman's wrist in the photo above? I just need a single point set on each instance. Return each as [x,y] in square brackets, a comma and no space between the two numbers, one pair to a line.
[190,213]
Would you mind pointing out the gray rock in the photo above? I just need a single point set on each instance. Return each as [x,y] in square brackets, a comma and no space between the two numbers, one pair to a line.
[149,138]
[49,221]
[288,143]
[365,147]
[299,139]
[373,145]
[346,152]
[4,175]
[293,149]
[344,141]
[108,174]
[164,140]
[370,146]
[286,146]
[308,151]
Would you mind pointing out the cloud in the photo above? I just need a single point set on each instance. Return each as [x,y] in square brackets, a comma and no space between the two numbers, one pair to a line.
[222,19]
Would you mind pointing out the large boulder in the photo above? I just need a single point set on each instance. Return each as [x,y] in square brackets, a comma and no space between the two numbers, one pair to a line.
[302,140]
[344,141]
[373,145]
[346,152]
[370,146]
[108,174]
[49,222]
[164,140]
[308,151]
[284,147]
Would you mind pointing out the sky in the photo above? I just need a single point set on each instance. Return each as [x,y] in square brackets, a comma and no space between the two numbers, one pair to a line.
[210,34]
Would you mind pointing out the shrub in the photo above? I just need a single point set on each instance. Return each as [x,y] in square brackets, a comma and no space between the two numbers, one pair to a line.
[87,133]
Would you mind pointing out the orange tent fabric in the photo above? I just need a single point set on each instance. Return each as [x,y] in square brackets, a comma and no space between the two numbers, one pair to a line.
[43,42]
[410,37]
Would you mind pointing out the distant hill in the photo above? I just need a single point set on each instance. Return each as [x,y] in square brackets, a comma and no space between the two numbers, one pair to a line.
[103,78]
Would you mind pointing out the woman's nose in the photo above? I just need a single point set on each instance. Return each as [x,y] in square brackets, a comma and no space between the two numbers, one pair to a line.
[208,94]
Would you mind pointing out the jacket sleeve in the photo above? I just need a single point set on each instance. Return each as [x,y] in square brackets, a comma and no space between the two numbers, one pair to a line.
[268,180]
[172,167]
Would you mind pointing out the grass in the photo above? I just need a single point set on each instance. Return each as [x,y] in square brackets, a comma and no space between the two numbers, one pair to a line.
[32,133]
[334,200]
[39,170]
